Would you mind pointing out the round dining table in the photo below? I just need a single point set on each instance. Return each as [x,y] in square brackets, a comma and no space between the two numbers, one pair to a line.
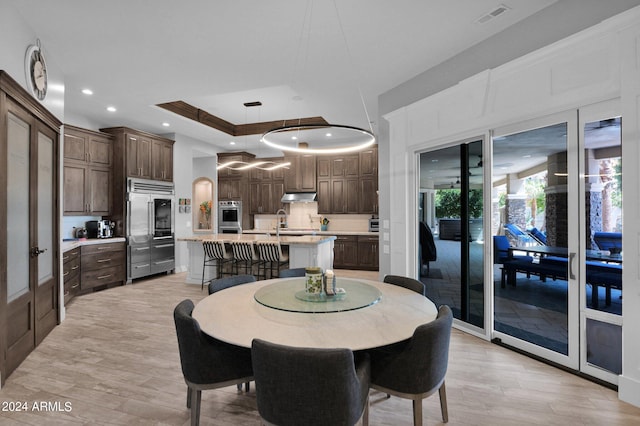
[367,315]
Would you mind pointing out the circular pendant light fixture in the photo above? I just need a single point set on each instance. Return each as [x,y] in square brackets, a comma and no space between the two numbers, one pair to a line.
[321,138]
[327,138]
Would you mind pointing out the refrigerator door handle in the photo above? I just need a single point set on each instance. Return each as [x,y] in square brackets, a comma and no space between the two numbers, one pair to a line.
[151,222]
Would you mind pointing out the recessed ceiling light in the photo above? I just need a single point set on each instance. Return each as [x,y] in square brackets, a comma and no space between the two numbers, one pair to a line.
[87,91]
[328,135]
[232,143]
[526,156]
[111,109]
[165,124]
[295,138]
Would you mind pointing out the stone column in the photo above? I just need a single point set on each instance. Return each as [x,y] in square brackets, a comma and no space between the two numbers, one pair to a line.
[556,210]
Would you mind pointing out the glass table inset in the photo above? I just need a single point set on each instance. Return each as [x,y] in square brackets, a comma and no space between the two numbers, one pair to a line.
[289,295]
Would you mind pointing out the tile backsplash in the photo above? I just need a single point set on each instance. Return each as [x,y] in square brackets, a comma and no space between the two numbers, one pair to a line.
[305,216]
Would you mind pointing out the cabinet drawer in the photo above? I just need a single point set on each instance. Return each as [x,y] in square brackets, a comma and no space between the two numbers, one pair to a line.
[71,288]
[102,276]
[162,265]
[368,239]
[163,250]
[71,269]
[70,255]
[102,248]
[140,254]
[139,269]
[92,262]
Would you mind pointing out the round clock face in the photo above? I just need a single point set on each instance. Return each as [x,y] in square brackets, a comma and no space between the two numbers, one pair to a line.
[36,72]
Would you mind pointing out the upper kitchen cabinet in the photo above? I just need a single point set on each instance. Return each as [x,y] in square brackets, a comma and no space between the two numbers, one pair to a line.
[301,175]
[140,155]
[162,160]
[368,202]
[147,156]
[266,188]
[240,158]
[87,172]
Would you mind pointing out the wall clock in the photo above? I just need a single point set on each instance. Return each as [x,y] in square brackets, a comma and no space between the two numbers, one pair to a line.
[36,71]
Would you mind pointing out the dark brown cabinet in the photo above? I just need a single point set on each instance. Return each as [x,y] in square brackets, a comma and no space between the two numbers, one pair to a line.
[348,184]
[345,252]
[71,273]
[87,173]
[266,189]
[368,185]
[162,160]
[368,256]
[233,185]
[338,184]
[301,175]
[138,158]
[102,264]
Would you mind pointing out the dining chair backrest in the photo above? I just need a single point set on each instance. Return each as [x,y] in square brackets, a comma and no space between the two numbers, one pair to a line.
[309,386]
[231,281]
[406,282]
[293,272]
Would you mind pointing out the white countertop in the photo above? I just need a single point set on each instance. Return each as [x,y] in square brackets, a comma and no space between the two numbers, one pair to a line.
[71,244]
[284,239]
[290,231]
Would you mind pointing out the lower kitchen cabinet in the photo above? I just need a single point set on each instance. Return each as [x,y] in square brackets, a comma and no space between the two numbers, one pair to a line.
[368,256]
[71,273]
[102,264]
[356,252]
[345,252]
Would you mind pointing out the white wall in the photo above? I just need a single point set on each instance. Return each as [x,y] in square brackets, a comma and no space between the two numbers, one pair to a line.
[192,159]
[595,65]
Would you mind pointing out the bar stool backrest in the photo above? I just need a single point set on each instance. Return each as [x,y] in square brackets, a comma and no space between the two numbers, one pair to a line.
[243,250]
[214,249]
[269,251]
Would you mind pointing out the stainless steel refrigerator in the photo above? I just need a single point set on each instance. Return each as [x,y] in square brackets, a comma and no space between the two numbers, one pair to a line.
[150,227]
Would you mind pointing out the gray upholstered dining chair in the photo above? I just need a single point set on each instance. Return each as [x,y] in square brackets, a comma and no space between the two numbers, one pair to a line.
[309,386]
[293,272]
[226,282]
[406,282]
[416,368]
[207,363]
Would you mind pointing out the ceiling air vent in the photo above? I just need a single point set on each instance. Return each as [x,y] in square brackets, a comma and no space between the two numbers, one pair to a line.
[499,10]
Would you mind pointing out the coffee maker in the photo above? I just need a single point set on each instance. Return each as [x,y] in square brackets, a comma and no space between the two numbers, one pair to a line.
[105,229]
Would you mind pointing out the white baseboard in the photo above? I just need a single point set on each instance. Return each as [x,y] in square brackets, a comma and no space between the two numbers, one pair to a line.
[629,390]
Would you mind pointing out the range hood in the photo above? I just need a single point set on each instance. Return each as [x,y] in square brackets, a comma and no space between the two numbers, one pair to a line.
[299,197]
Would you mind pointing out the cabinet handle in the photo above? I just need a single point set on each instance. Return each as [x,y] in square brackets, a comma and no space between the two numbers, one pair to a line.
[64,258]
[164,261]
[164,245]
[142,266]
[104,276]
[141,248]
[66,273]
[103,260]
[75,286]
[74,268]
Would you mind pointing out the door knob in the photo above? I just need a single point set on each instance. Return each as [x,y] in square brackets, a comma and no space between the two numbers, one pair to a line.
[35,251]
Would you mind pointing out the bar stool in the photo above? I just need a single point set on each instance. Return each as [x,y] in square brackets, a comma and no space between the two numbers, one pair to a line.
[243,251]
[216,255]
[270,252]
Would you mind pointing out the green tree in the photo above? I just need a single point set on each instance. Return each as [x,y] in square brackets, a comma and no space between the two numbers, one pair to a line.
[448,203]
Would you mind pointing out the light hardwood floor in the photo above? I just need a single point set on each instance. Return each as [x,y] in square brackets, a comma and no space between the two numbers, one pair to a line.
[115,361]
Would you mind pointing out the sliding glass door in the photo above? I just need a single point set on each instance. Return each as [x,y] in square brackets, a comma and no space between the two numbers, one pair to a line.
[451,240]
[532,237]
[557,203]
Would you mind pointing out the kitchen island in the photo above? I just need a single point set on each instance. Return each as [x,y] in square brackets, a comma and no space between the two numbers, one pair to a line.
[304,250]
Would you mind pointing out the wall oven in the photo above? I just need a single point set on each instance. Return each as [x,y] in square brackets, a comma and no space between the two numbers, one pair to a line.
[230,217]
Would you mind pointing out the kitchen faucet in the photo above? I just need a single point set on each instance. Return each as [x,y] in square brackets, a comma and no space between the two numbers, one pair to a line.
[278,222]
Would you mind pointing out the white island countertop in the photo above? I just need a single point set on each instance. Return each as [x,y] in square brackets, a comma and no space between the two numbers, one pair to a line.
[287,240]
[308,231]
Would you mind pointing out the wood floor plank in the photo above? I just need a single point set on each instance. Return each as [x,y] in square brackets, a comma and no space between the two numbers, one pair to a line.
[115,360]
